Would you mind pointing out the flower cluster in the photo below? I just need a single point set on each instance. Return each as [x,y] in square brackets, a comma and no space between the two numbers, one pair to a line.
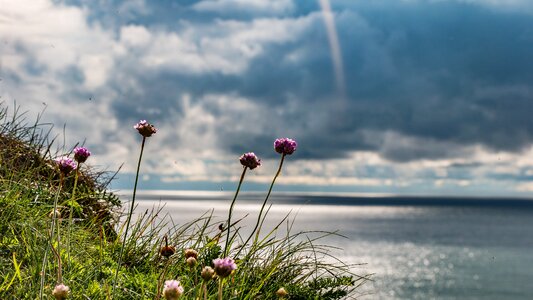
[285,146]
[65,165]
[250,160]
[172,290]
[81,154]
[224,266]
[145,129]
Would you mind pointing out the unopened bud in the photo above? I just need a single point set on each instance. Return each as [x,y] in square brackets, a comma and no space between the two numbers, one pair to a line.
[191,261]
[207,273]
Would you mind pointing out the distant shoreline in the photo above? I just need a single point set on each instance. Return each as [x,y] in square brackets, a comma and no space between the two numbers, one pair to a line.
[334,199]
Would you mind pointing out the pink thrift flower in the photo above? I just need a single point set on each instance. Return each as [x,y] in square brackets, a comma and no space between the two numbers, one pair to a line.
[224,266]
[285,146]
[250,160]
[172,290]
[65,165]
[61,292]
[81,154]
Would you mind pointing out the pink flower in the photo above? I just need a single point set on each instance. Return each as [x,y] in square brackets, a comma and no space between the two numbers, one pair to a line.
[172,290]
[81,154]
[65,165]
[250,160]
[285,146]
[224,266]
[61,292]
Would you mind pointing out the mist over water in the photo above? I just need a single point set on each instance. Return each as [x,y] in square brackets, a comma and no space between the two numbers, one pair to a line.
[477,250]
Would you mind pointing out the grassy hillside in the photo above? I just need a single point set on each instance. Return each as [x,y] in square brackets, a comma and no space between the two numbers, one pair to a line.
[81,247]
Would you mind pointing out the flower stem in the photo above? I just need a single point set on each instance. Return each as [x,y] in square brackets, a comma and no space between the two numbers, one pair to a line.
[52,229]
[220,288]
[129,218]
[226,250]
[263,206]
[70,214]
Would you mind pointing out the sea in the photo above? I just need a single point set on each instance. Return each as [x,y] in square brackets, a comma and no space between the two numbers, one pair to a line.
[414,247]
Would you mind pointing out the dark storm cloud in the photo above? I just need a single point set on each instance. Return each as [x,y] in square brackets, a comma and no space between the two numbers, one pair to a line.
[440,76]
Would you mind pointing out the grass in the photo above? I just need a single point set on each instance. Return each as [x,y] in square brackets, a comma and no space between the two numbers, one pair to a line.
[29,183]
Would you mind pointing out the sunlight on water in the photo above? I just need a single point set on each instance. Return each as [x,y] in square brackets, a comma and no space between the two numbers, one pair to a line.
[415,252]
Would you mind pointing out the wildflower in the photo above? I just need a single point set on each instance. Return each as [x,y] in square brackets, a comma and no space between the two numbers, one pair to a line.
[145,129]
[250,160]
[281,292]
[207,273]
[191,253]
[65,165]
[224,266]
[172,290]
[167,251]
[61,292]
[285,146]
[191,261]
[81,154]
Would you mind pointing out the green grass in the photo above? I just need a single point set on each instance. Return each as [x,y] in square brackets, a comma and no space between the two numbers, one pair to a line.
[29,183]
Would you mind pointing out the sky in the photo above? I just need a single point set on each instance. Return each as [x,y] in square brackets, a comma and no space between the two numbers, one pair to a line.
[412,97]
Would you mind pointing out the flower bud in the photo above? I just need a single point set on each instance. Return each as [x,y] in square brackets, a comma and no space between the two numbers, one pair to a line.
[191,261]
[167,251]
[191,253]
[207,273]
[145,129]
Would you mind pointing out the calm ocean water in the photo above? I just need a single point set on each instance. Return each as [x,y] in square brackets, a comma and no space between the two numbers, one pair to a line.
[451,249]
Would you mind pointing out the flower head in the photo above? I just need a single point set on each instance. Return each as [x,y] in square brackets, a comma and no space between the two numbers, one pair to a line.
[172,290]
[224,266]
[207,273]
[145,129]
[250,160]
[285,146]
[81,154]
[65,165]
[61,292]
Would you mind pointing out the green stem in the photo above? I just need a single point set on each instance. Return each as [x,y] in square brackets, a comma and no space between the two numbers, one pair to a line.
[263,206]
[70,213]
[129,218]
[226,250]
[52,229]
[220,288]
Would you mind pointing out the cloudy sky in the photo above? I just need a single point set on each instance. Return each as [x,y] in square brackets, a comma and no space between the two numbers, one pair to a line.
[386,96]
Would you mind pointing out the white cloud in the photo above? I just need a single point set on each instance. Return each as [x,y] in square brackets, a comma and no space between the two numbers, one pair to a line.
[249,6]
